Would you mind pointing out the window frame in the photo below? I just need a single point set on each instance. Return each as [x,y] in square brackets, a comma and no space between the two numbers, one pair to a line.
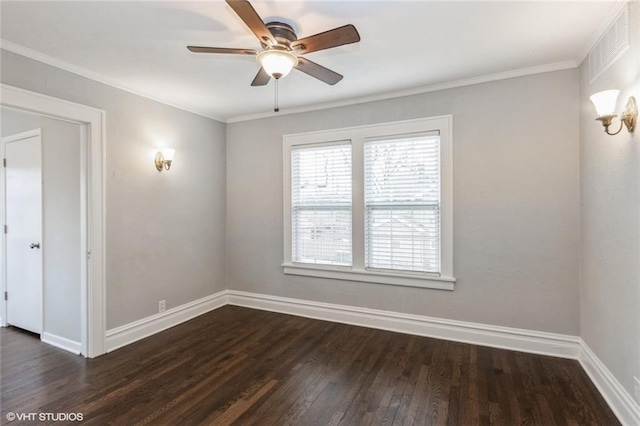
[357,136]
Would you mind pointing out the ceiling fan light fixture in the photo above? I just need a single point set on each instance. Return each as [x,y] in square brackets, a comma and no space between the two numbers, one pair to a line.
[277,62]
[282,46]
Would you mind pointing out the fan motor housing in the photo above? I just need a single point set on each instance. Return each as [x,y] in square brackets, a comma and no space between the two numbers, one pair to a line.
[283,33]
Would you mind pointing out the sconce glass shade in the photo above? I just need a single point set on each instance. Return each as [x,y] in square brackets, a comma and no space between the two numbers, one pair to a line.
[605,102]
[168,154]
[277,63]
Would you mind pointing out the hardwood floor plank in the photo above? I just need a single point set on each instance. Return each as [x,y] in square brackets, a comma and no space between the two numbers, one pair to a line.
[247,367]
[239,407]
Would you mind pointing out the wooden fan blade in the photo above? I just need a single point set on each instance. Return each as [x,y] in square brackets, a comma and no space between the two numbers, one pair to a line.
[202,49]
[318,71]
[328,39]
[261,79]
[248,14]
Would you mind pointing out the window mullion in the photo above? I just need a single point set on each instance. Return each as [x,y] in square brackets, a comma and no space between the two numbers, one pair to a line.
[357,213]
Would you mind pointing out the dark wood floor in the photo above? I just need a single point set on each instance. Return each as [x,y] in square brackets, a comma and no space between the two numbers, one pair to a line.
[252,367]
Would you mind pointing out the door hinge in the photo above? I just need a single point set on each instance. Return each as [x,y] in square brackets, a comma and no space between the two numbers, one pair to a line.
[4,162]
[6,295]
[6,229]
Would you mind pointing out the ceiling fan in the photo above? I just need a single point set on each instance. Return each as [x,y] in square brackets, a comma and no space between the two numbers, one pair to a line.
[281,48]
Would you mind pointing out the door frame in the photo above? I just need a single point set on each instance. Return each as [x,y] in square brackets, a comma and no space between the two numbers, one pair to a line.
[92,202]
[3,145]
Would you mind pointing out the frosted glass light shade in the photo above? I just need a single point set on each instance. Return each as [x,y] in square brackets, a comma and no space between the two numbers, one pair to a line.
[168,154]
[277,63]
[605,102]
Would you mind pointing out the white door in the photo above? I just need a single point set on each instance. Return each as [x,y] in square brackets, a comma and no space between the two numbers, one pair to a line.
[23,189]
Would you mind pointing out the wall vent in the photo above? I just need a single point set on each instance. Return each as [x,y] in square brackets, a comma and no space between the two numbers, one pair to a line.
[613,42]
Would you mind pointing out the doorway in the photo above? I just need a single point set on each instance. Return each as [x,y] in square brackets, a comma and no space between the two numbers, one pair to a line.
[43,239]
[89,296]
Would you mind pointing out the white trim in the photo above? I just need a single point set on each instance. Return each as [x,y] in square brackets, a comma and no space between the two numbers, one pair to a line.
[83,72]
[368,130]
[22,135]
[61,342]
[620,401]
[446,198]
[558,345]
[602,28]
[93,236]
[84,242]
[369,276]
[541,69]
[357,137]
[137,330]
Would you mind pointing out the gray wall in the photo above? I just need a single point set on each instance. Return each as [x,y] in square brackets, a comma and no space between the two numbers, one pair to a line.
[61,218]
[516,204]
[165,231]
[610,197]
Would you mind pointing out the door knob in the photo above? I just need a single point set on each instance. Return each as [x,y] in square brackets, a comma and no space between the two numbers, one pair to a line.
[34,245]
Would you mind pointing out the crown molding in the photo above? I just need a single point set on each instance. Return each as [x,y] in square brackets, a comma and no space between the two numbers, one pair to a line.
[601,29]
[100,78]
[40,57]
[557,66]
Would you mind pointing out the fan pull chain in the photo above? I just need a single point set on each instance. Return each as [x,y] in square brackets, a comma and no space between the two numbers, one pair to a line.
[276,108]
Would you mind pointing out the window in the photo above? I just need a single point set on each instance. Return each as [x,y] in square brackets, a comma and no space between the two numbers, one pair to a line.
[321,204]
[402,203]
[371,203]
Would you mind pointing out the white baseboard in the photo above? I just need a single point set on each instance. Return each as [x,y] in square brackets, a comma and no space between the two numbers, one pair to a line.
[132,332]
[61,342]
[620,401]
[557,345]
[552,344]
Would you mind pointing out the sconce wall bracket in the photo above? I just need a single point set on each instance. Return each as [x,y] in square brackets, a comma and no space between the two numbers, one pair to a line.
[161,163]
[630,115]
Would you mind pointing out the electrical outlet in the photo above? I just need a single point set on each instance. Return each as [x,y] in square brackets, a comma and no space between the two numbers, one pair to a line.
[162,305]
[636,389]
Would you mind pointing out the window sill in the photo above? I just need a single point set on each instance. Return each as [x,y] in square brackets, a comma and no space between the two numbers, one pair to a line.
[348,274]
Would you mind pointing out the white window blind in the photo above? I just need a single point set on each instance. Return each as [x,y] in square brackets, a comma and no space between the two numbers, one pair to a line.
[402,203]
[321,204]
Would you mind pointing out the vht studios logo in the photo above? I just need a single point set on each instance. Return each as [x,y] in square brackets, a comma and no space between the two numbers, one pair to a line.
[45,417]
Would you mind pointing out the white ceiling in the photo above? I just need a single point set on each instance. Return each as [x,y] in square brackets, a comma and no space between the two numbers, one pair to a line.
[141,45]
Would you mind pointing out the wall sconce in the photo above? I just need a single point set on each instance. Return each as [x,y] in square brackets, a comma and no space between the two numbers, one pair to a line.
[164,159]
[605,103]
